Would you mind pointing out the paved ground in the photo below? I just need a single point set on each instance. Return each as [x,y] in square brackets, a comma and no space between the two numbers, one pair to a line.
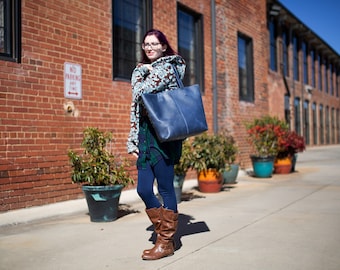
[285,222]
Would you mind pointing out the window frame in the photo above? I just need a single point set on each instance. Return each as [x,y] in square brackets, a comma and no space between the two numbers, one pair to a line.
[249,58]
[337,79]
[325,75]
[272,43]
[306,124]
[327,123]
[296,60]
[321,124]
[332,134]
[287,108]
[331,89]
[124,73]
[312,57]
[320,72]
[305,62]
[297,115]
[315,123]
[198,55]
[12,31]
[285,50]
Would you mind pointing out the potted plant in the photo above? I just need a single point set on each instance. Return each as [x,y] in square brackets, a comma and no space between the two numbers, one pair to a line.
[289,144]
[102,174]
[181,169]
[208,159]
[230,150]
[263,137]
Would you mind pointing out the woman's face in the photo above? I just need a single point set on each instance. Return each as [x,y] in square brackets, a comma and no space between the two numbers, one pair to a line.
[152,47]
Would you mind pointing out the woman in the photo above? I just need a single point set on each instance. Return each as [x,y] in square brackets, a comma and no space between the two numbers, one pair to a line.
[155,160]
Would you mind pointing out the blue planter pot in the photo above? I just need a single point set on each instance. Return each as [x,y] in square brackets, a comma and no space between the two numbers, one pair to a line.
[178,185]
[262,166]
[229,177]
[102,202]
[294,159]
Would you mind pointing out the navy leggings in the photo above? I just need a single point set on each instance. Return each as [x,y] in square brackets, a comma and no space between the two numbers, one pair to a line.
[164,174]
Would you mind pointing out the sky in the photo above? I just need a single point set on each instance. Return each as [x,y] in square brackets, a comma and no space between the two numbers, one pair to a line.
[321,16]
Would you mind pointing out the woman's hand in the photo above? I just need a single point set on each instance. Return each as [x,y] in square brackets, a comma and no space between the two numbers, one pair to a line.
[149,67]
[135,154]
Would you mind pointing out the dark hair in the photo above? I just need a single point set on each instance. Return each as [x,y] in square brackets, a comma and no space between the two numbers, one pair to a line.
[162,39]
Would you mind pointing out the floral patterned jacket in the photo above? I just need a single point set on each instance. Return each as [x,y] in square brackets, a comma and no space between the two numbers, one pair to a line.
[160,78]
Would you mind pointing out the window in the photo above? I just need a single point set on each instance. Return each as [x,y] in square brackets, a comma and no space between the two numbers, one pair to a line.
[338,124]
[285,57]
[315,124]
[327,126]
[333,125]
[321,124]
[325,75]
[312,56]
[297,115]
[320,72]
[245,68]
[10,30]
[131,19]
[273,49]
[337,79]
[190,45]
[331,79]
[306,121]
[305,62]
[296,58]
[287,109]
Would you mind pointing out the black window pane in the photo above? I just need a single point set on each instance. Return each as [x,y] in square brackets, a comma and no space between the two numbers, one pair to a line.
[10,23]
[190,45]
[245,68]
[131,19]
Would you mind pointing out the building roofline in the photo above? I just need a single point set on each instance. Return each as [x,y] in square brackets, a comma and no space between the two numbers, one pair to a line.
[284,11]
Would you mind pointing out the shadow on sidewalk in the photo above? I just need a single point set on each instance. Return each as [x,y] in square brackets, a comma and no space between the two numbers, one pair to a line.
[124,210]
[185,227]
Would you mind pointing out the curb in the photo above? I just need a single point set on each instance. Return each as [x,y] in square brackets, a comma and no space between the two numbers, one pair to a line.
[36,213]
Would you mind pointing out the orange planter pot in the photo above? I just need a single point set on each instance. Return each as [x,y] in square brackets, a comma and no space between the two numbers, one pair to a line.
[283,165]
[210,181]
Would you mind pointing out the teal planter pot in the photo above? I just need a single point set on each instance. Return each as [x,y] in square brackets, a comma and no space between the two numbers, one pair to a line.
[229,177]
[262,166]
[103,202]
[294,159]
[178,185]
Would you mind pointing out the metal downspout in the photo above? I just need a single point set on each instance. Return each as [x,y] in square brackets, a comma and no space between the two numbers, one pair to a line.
[214,83]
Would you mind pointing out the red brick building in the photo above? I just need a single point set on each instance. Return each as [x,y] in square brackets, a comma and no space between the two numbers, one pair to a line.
[66,65]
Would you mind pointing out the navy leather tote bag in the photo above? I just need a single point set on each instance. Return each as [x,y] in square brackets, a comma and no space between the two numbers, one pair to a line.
[176,114]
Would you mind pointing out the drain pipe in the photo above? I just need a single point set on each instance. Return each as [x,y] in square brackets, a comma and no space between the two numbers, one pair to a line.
[213,46]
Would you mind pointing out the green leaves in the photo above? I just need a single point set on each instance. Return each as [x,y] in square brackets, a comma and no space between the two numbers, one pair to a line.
[263,134]
[97,166]
[210,152]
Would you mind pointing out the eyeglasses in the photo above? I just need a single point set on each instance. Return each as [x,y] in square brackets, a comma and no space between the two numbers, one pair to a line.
[151,45]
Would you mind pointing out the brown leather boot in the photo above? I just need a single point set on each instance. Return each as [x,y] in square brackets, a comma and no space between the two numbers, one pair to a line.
[165,240]
[154,215]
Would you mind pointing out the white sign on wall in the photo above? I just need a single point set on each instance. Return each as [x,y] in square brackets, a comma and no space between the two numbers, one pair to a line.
[72,81]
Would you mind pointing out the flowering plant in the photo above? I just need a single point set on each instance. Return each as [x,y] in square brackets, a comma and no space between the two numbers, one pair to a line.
[263,135]
[290,143]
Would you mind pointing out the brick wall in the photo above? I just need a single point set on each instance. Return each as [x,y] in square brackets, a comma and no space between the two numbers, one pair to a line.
[36,132]
[248,18]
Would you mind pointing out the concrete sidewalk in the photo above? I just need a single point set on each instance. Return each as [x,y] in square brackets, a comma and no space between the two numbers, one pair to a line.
[284,222]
